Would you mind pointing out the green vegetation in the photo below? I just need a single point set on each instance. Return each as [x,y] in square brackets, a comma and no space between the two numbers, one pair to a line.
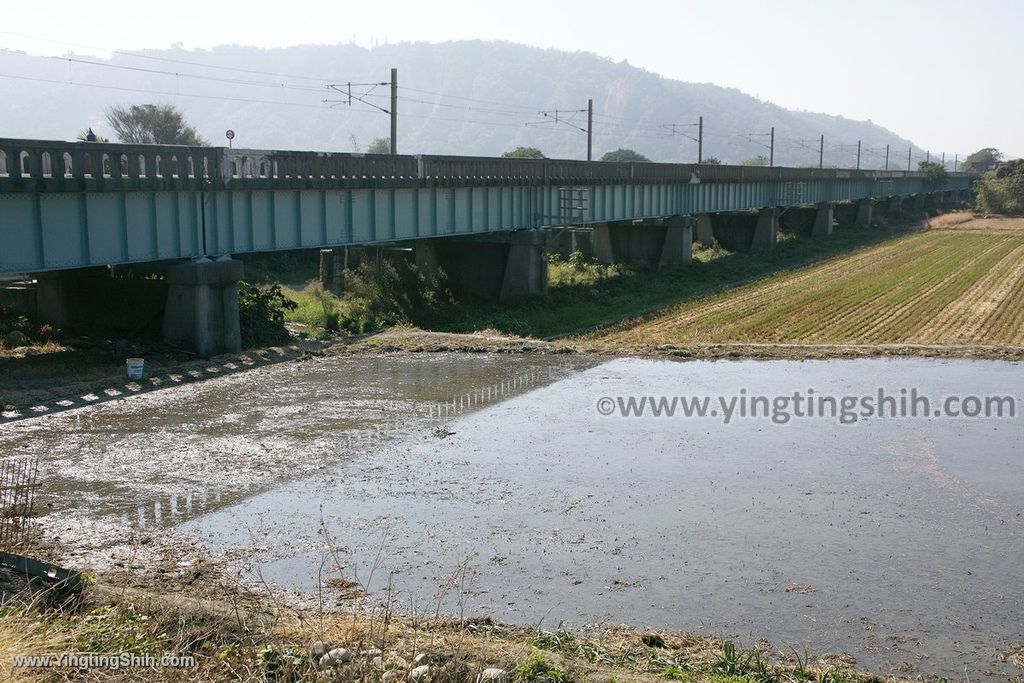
[983,160]
[379,146]
[524,153]
[1002,191]
[624,155]
[759,160]
[115,630]
[583,294]
[711,161]
[537,669]
[261,313]
[937,175]
[377,295]
[152,124]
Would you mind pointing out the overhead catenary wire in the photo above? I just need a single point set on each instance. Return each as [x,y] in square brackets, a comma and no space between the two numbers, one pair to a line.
[638,128]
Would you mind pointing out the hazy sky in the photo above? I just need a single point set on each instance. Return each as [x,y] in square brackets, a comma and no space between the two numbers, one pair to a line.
[945,73]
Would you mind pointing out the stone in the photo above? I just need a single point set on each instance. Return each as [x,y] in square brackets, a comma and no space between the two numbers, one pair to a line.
[421,658]
[371,653]
[340,655]
[392,675]
[377,663]
[326,662]
[395,662]
[15,338]
[420,674]
[492,675]
[318,649]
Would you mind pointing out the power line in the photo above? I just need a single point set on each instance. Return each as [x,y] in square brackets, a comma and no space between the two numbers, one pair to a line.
[138,55]
[178,74]
[471,99]
[163,92]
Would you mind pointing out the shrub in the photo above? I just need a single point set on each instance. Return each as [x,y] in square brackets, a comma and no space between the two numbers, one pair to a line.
[261,314]
[1002,191]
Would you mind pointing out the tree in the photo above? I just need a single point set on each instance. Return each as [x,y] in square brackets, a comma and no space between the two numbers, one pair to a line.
[379,146]
[624,155]
[524,153]
[983,160]
[711,161]
[152,124]
[937,174]
[1002,191]
[759,160]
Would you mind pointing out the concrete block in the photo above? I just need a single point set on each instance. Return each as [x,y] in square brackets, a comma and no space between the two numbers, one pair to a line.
[766,230]
[823,220]
[526,269]
[202,306]
[677,248]
[705,232]
[865,208]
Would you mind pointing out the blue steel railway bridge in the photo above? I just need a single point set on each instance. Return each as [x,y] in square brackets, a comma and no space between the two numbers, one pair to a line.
[71,210]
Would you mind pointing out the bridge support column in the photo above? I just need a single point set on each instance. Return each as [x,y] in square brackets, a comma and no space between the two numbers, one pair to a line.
[53,300]
[822,220]
[767,229]
[425,252]
[919,202]
[664,243]
[202,306]
[332,269]
[508,266]
[705,232]
[865,208]
[526,268]
[894,208]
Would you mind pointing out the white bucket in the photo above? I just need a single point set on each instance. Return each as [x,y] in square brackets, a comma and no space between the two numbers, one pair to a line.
[135,366]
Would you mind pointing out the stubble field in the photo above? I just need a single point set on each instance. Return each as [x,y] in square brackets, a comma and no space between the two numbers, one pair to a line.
[959,282]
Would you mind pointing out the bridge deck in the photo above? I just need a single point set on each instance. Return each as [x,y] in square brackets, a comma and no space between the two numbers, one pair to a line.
[72,205]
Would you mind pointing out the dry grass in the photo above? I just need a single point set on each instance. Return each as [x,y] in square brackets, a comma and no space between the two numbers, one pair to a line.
[23,633]
[238,635]
[961,282]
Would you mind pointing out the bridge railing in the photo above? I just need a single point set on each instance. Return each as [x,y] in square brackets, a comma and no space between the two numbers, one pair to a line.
[50,165]
[58,162]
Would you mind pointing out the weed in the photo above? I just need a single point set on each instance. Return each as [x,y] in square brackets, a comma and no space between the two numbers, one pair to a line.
[537,669]
[261,314]
[835,675]
[676,671]
[730,661]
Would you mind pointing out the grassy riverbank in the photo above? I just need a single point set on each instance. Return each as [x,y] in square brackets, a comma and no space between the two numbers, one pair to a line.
[211,630]
[956,281]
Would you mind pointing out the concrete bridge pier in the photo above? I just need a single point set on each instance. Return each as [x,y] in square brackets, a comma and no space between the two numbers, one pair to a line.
[705,232]
[654,244]
[202,306]
[823,218]
[767,228]
[919,202]
[53,299]
[894,208]
[526,267]
[865,209]
[815,221]
[747,230]
[507,267]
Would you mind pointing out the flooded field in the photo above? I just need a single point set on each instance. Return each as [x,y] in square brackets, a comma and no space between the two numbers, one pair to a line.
[495,484]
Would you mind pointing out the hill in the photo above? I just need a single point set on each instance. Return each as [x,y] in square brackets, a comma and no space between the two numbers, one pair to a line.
[468,97]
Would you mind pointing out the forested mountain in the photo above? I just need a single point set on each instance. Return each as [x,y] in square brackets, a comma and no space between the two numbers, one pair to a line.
[469,97]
